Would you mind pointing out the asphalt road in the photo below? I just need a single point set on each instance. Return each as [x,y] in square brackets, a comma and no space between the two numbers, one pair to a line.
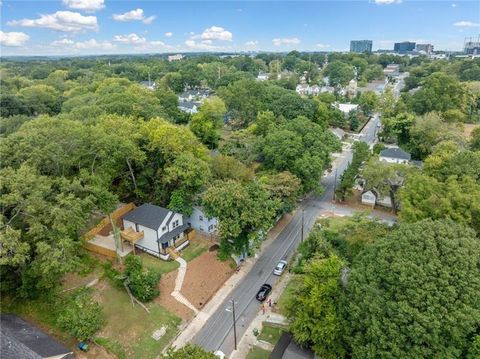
[217,333]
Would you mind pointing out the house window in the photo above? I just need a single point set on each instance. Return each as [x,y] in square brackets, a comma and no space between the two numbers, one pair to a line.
[175,224]
[200,218]
[210,228]
[201,228]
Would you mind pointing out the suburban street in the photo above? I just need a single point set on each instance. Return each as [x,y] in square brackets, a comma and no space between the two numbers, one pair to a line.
[217,333]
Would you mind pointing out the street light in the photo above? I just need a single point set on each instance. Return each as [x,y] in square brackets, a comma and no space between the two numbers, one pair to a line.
[234,322]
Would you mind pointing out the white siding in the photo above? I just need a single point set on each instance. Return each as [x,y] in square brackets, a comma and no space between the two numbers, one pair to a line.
[369,198]
[149,239]
[392,160]
[199,221]
[176,217]
[128,224]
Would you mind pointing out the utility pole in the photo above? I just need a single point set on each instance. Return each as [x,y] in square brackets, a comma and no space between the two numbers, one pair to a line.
[303,212]
[334,186]
[234,324]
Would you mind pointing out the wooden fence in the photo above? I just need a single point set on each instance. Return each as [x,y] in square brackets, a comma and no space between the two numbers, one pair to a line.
[119,212]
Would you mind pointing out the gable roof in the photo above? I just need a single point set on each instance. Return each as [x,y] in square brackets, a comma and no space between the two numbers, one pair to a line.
[20,339]
[395,152]
[189,105]
[148,215]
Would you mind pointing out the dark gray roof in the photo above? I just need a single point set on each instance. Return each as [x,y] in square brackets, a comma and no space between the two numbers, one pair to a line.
[169,235]
[20,339]
[188,104]
[147,215]
[286,348]
[395,153]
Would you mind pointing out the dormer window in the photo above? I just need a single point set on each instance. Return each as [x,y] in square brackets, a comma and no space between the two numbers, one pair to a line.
[175,224]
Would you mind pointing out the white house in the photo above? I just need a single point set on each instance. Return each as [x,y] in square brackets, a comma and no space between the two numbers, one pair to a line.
[151,85]
[263,76]
[194,95]
[189,107]
[176,57]
[302,89]
[346,108]
[201,222]
[392,70]
[161,229]
[395,155]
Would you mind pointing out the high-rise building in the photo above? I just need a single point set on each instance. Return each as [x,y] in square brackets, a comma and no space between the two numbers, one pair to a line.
[404,47]
[472,45]
[361,46]
[427,48]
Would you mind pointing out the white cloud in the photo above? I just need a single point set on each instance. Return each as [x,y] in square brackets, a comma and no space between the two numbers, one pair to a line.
[85,5]
[93,44]
[251,43]
[132,39]
[65,21]
[13,39]
[322,46]
[214,33]
[454,5]
[387,2]
[168,34]
[286,41]
[206,45]
[134,15]
[153,46]
[62,42]
[464,23]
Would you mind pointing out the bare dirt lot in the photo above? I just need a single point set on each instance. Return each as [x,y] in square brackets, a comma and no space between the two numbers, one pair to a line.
[167,284]
[205,275]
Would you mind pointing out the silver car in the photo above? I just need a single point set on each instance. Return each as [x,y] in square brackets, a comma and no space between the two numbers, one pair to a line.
[280,267]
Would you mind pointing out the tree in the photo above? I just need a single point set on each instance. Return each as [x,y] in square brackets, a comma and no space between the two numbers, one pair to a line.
[189,351]
[142,282]
[42,99]
[339,73]
[81,316]
[475,139]
[207,122]
[283,187]
[244,212]
[228,167]
[373,72]
[413,294]
[314,309]
[368,102]
[385,178]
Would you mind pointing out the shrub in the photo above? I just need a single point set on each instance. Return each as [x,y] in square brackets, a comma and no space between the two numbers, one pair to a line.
[143,283]
[80,315]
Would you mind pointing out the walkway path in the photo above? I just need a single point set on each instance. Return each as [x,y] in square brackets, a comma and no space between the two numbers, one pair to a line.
[178,285]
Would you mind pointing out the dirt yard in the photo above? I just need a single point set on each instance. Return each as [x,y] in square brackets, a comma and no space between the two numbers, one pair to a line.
[167,284]
[205,275]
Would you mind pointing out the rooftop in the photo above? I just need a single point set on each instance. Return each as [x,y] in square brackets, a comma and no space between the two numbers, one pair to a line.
[395,152]
[148,215]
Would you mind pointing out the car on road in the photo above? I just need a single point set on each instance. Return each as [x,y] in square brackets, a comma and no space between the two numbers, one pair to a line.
[280,267]
[262,294]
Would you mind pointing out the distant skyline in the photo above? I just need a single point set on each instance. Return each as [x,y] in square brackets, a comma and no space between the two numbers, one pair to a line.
[85,27]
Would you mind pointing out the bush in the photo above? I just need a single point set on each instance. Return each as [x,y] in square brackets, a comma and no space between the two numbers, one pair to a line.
[80,315]
[142,283]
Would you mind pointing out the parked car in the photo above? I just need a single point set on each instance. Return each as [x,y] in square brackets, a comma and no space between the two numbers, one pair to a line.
[219,354]
[262,294]
[280,267]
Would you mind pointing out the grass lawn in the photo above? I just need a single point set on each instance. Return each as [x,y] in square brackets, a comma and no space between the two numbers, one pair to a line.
[258,353]
[132,327]
[271,334]
[194,249]
[158,265]
[292,286]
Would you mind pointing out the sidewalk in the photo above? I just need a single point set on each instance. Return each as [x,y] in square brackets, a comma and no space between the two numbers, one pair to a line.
[249,340]
[188,331]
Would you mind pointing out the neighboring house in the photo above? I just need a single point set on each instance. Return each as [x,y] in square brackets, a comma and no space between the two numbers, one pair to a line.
[328,89]
[372,198]
[287,348]
[200,221]
[352,87]
[175,57]
[189,107]
[314,90]
[194,95]
[392,70]
[395,155]
[304,89]
[346,108]
[151,85]
[162,229]
[22,340]
[263,76]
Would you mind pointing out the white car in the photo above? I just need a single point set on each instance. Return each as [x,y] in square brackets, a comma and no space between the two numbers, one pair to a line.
[280,267]
[219,354]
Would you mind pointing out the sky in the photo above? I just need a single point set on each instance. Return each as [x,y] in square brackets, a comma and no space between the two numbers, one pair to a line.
[84,27]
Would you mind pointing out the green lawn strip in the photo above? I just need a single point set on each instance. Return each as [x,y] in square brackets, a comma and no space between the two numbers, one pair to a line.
[258,353]
[270,333]
[158,264]
[111,346]
[289,291]
[194,249]
[132,327]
